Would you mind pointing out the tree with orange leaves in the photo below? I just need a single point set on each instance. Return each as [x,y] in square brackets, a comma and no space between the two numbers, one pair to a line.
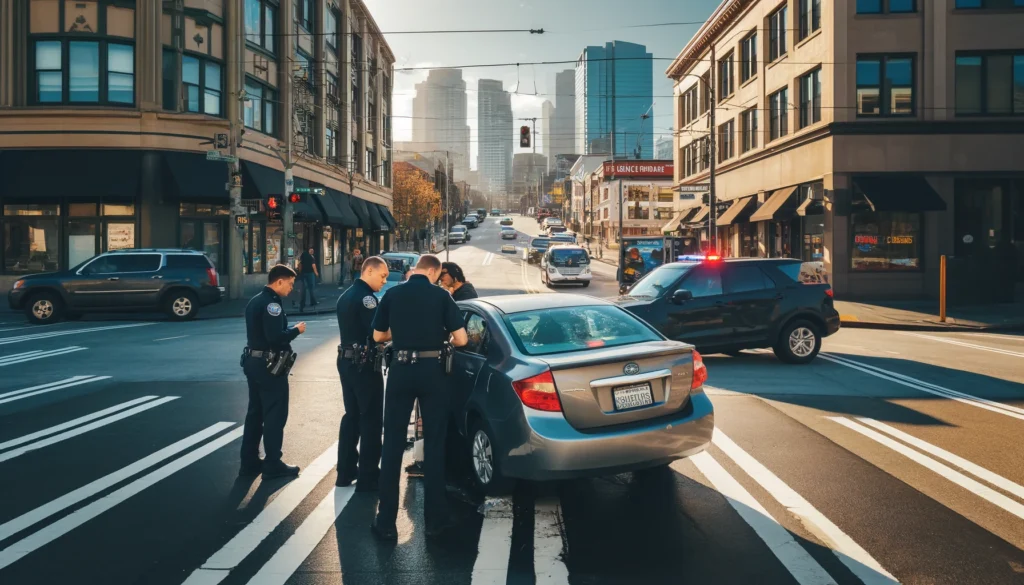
[417,203]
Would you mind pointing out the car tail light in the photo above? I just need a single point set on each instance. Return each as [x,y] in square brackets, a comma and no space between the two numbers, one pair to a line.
[713,258]
[829,293]
[700,371]
[212,273]
[538,392]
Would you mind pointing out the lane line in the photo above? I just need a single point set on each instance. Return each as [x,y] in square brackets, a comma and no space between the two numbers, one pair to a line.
[978,489]
[994,336]
[49,334]
[800,564]
[297,548]
[494,546]
[549,569]
[84,429]
[73,423]
[47,385]
[69,499]
[851,554]
[52,532]
[975,470]
[169,338]
[217,567]
[52,388]
[40,355]
[967,345]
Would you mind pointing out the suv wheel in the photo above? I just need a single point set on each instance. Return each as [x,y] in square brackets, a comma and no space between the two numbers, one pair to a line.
[181,305]
[44,308]
[798,343]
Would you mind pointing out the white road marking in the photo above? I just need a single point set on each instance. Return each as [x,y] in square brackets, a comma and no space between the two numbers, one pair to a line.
[20,358]
[995,336]
[977,488]
[795,558]
[73,423]
[967,345]
[549,569]
[218,567]
[928,387]
[69,499]
[49,334]
[294,551]
[975,470]
[46,388]
[68,523]
[170,338]
[488,258]
[494,546]
[83,429]
[851,554]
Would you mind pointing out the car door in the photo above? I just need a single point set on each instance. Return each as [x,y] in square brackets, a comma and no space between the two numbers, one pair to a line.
[140,279]
[704,319]
[97,284]
[469,362]
[753,299]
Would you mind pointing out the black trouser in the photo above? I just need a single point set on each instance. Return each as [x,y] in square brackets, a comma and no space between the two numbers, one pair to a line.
[363,395]
[427,382]
[267,414]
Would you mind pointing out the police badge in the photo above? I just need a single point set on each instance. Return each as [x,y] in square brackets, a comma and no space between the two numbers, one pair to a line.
[370,302]
[274,309]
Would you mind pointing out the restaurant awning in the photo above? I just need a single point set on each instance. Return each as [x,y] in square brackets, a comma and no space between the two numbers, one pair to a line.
[193,178]
[736,210]
[781,204]
[341,213]
[702,213]
[384,211]
[910,193]
[359,207]
[93,173]
[379,225]
[259,181]
[673,224]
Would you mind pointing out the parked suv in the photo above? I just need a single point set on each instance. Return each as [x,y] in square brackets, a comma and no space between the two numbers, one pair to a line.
[176,282]
[724,306]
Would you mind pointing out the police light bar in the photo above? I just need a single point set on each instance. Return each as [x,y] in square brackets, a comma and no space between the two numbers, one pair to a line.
[698,258]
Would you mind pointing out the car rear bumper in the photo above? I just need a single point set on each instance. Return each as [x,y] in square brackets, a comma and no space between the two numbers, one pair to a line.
[546,447]
[832,324]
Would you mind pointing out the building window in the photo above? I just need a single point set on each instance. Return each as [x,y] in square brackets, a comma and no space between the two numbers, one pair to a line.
[260,108]
[969,4]
[306,129]
[371,164]
[893,98]
[748,127]
[886,241]
[690,105]
[201,80]
[260,19]
[304,13]
[777,34]
[991,84]
[120,73]
[705,88]
[31,237]
[886,6]
[726,147]
[331,29]
[331,144]
[748,57]
[84,72]
[810,98]
[725,78]
[778,114]
[332,87]
[49,72]
[810,17]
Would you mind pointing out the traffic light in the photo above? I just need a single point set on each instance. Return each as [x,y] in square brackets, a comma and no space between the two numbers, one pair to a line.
[524,136]
[295,198]
[275,204]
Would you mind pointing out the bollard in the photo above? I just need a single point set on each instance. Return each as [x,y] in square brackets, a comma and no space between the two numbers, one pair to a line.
[942,288]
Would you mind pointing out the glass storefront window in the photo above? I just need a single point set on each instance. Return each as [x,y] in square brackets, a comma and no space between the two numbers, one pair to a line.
[256,247]
[813,230]
[120,236]
[274,233]
[31,209]
[30,243]
[82,210]
[328,250]
[211,242]
[82,241]
[114,209]
[885,241]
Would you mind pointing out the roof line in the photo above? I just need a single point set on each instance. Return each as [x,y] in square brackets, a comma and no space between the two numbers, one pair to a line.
[724,15]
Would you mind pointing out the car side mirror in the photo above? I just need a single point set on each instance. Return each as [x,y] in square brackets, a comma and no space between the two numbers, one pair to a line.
[681,296]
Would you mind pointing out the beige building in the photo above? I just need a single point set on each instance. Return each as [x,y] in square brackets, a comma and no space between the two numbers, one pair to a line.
[109,107]
[870,135]
[648,201]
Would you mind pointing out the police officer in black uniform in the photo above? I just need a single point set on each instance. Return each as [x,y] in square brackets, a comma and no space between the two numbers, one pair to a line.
[362,385]
[264,361]
[420,319]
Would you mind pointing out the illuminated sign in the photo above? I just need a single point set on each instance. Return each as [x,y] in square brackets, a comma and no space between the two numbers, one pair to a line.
[638,169]
[873,240]
[899,240]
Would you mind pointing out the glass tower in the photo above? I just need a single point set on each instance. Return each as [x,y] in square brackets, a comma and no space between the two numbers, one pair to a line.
[615,80]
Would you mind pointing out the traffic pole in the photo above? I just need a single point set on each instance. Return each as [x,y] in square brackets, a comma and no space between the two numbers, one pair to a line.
[942,288]
[288,220]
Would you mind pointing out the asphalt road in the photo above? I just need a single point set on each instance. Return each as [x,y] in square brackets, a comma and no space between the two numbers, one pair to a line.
[892,458]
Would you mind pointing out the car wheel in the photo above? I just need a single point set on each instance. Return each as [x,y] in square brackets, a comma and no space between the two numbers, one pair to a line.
[181,305]
[483,462]
[44,308]
[798,343]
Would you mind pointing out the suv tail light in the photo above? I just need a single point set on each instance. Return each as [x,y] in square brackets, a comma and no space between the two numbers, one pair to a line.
[700,371]
[538,392]
[830,293]
[212,273]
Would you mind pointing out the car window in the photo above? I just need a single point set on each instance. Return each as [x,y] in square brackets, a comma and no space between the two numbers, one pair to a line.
[550,331]
[476,332]
[805,272]
[658,281]
[125,263]
[704,281]
[183,261]
[741,279]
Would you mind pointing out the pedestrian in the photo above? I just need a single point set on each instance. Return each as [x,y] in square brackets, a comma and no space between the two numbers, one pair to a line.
[420,320]
[453,279]
[308,274]
[266,361]
[362,386]
[357,263]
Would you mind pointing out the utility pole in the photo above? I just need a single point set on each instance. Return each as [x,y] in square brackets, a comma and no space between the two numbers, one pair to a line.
[713,155]
[622,248]
[448,206]
[236,242]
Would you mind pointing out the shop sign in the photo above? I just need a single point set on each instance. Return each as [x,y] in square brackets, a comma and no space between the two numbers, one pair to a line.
[120,236]
[872,240]
[899,240]
[241,220]
[638,169]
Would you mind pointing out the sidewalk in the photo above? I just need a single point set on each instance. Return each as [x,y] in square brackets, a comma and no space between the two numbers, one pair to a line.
[326,295]
[924,316]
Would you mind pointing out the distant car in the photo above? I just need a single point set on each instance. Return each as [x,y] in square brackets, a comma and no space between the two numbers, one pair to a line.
[556,229]
[550,221]
[508,248]
[471,221]
[399,263]
[565,264]
[565,238]
[508,233]
[175,281]
[590,390]
[495,211]
[459,234]
[506,221]
[725,306]
[538,247]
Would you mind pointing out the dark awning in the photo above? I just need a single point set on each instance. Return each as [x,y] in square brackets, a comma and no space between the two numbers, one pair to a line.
[93,173]
[899,193]
[379,225]
[259,181]
[781,204]
[195,178]
[306,209]
[736,210]
[359,207]
[386,213]
[337,210]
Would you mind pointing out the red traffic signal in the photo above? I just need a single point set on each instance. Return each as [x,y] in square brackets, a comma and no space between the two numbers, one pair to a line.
[294,198]
[275,203]
[524,136]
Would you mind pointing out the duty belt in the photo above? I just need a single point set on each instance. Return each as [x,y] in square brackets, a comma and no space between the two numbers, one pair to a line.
[256,353]
[350,351]
[410,356]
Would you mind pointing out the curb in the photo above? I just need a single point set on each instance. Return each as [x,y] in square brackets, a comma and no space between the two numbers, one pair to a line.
[925,328]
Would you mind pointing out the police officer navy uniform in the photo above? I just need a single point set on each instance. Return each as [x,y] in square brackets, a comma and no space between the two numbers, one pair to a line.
[420,319]
[362,384]
[265,361]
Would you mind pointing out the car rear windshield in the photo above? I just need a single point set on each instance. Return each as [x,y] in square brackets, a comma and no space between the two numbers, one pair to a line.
[659,280]
[540,243]
[564,257]
[550,331]
[458,228]
[397,268]
[179,261]
[805,272]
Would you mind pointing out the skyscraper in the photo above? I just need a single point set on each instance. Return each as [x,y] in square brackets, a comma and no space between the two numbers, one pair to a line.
[494,130]
[563,127]
[439,116]
[547,126]
[614,90]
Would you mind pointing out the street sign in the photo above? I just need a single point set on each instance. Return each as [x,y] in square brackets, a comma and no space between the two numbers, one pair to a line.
[241,220]
[314,190]
[215,155]
[702,188]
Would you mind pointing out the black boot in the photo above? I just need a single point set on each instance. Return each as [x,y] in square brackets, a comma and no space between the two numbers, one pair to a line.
[279,469]
[389,533]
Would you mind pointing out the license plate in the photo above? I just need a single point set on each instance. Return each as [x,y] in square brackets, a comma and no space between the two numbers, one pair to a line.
[635,396]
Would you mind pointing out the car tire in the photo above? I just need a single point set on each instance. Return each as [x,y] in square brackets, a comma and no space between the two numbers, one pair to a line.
[484,466]
[181,305]
[44,308]
[798,343]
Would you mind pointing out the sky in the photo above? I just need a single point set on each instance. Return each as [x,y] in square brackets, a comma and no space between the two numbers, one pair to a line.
[569,25]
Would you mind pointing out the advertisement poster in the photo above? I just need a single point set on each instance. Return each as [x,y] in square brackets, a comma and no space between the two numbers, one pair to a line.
[120,236]
[643,255]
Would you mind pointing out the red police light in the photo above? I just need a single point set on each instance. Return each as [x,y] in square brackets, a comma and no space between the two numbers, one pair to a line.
[294,198]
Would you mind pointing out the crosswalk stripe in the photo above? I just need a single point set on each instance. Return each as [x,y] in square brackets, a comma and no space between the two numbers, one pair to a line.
[83,429]
[17,356]
[47,385]
[493,551]
[49,334]
[967,345]
[38,355]
[548,567]
[799,563]
[851,554]
[294,551]
[68,523]
[64,502]
[218,566]
[72,423]
[46,388]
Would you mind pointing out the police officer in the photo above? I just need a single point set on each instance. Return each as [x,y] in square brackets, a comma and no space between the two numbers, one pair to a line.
[362,386]
[267,335]
[418,318]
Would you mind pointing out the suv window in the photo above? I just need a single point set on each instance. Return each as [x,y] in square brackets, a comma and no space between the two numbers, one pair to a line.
[189,261]
[704,281]
[745,278]
[124,263]
[476,331]
[805,272]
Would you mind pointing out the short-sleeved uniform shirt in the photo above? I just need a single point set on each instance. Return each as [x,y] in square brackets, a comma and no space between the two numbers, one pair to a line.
[356,308]
[421,316]
[266,325]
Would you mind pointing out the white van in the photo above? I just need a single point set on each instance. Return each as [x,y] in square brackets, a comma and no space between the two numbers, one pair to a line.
[566,264]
